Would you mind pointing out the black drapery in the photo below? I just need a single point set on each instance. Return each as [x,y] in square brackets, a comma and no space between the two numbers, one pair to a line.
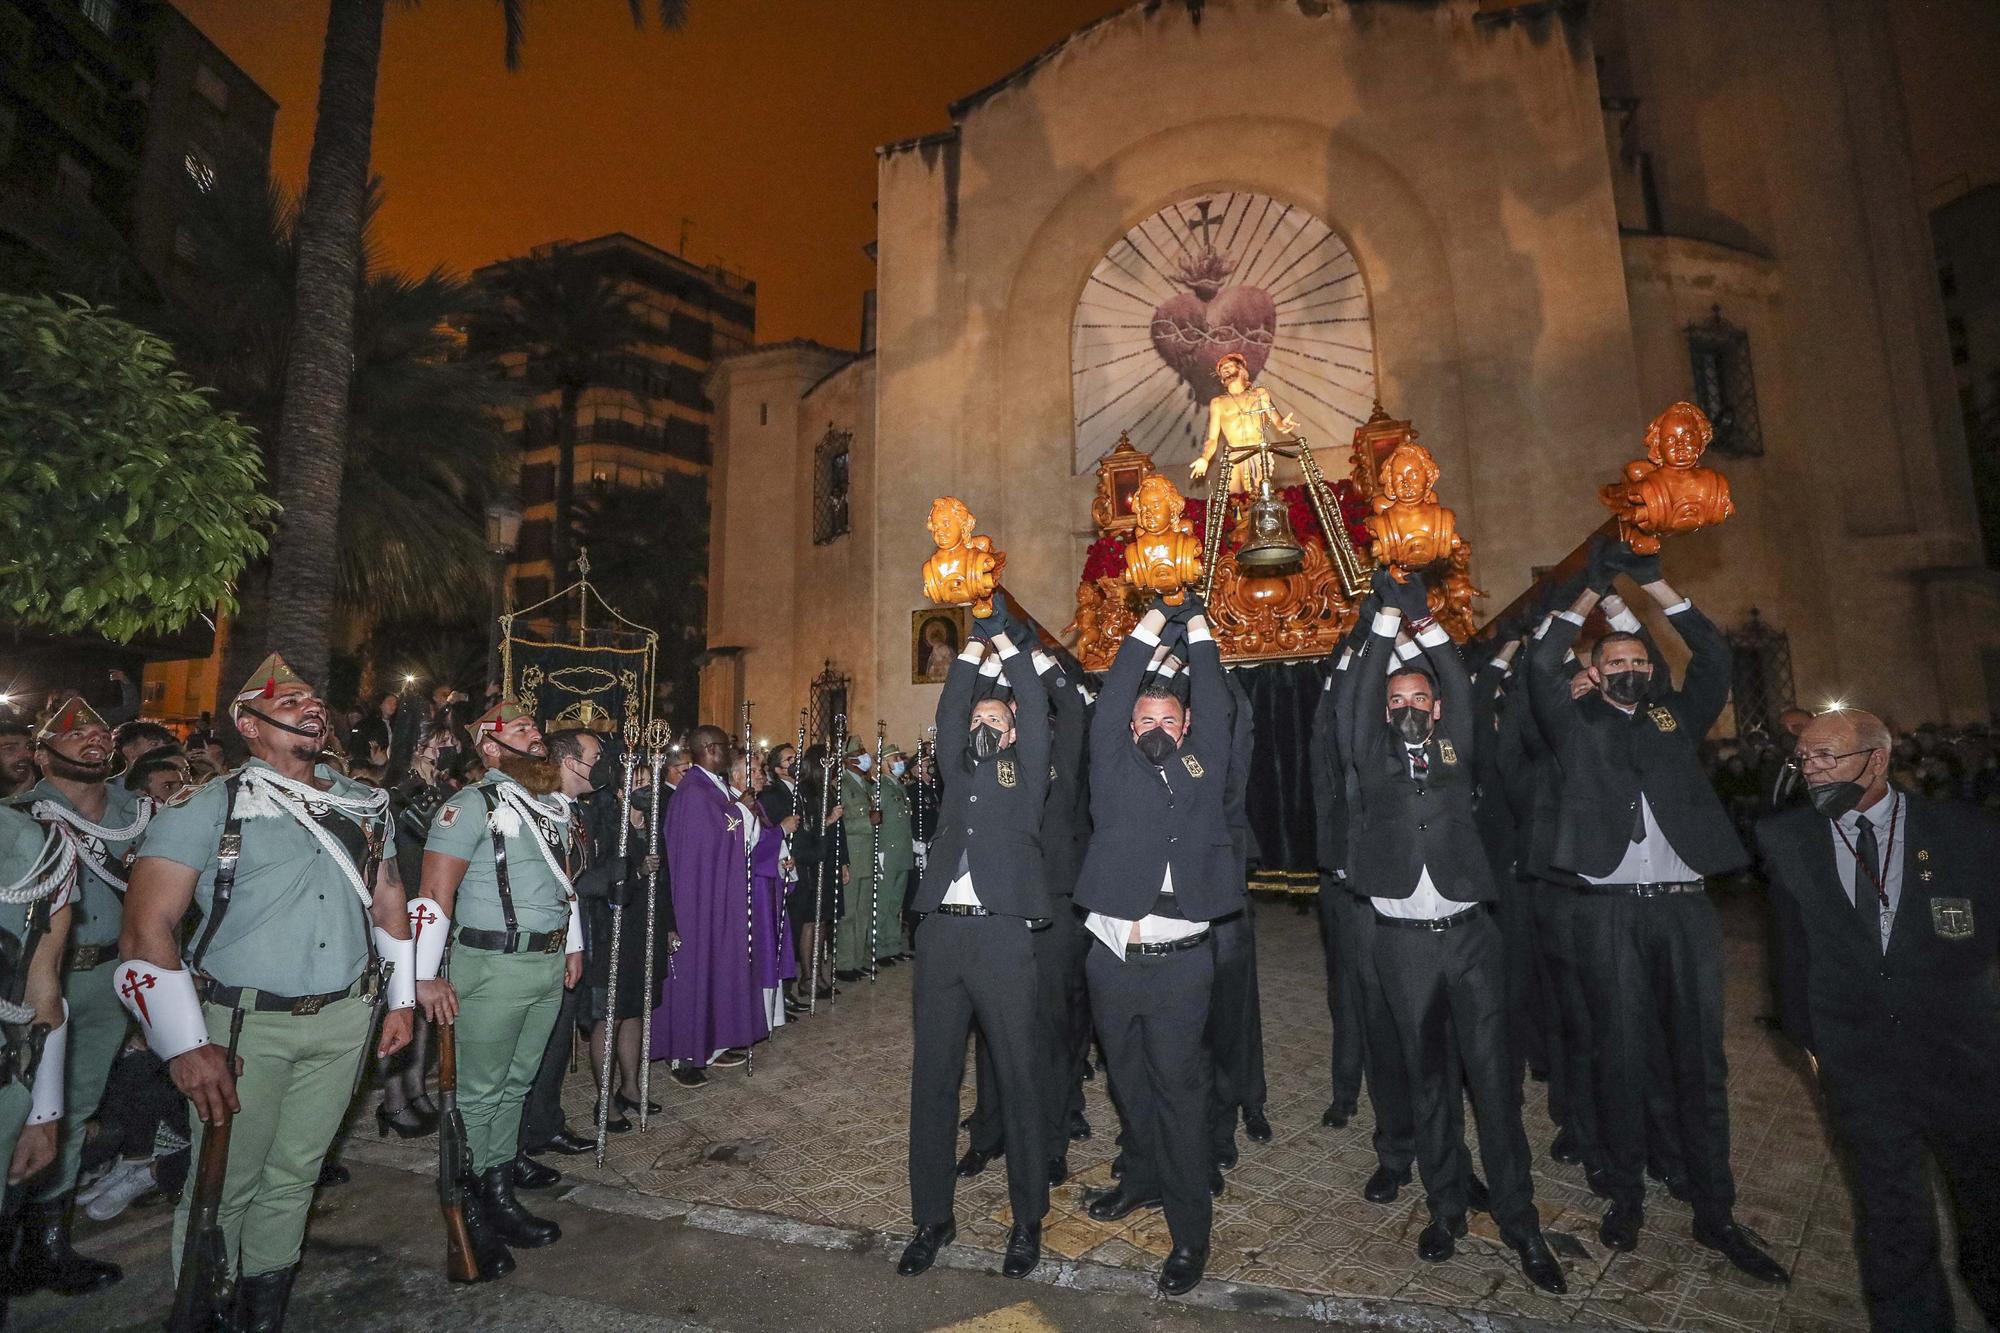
[1283,696]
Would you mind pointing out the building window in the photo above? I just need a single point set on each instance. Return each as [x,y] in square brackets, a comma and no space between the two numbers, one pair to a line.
[101,13]
[212,89]
[1762,686]
[1724,386]
[73,180]
[830,485]
[1961,341]
[200,168]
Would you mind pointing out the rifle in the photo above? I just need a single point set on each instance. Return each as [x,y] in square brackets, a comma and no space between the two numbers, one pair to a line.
[202,1295]
[453,1163]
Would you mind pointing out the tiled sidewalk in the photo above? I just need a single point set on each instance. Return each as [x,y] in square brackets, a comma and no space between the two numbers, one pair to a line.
[818,1133]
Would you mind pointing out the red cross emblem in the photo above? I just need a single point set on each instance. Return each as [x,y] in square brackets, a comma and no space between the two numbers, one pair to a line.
[420,916]
[134,990]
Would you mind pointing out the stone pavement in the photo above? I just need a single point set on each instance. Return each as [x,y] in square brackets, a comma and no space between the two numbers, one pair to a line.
[818,1135]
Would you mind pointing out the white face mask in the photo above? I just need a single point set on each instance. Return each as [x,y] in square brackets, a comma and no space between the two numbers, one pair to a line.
[897,767]
[864,761]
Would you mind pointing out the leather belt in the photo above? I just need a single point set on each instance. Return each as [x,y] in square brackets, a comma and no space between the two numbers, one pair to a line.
[1161,948]
[1433,924]
[513,941]
[1658,890]
[87,956]
[264,1002]
[960,909]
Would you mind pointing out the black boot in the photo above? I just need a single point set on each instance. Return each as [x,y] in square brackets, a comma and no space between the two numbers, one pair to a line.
[261,1298]
[46,1259]
[489,1253]
[512,1223]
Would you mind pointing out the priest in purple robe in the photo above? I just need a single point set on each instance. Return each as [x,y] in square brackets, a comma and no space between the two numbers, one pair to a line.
[711,1007]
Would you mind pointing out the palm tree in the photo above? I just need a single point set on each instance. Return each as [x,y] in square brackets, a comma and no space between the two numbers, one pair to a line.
[320,369]
[573,322]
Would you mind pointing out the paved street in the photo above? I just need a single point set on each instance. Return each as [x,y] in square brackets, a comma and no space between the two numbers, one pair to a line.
[778,1201]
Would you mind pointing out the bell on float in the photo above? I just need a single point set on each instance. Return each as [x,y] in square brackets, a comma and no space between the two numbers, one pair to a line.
[1270,547]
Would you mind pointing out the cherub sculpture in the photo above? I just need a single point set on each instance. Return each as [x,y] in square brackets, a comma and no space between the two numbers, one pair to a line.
[1669,491]
[964,568]
[1164,555]
[1409,528]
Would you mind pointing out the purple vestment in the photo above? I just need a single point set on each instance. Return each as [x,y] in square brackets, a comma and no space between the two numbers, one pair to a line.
[710,1000]
[776,962]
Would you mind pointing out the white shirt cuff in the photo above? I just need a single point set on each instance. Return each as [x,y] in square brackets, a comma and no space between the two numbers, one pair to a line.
[1198,630]
[1571,616]
[1678,607]
[1387,621]
[1433,636]
[1144,635]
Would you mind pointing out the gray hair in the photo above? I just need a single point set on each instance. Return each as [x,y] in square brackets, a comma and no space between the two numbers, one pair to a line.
[1870,731]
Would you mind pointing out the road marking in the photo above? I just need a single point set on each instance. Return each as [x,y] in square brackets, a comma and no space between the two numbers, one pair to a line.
[1026,1317]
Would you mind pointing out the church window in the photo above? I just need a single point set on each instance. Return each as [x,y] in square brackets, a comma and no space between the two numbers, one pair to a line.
[830,485]
[1724,386]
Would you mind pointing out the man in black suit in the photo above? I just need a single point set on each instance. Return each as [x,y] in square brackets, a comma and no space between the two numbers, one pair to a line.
[1888,919]
[982,897]
[820,859]
[1235,1018]
[1411,740]
[1638,828]
[1161,867]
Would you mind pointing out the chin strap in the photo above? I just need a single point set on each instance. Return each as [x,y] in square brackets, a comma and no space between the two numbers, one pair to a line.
[270,721]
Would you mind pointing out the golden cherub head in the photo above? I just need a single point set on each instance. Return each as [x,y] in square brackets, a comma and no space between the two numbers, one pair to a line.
[1679,436]
[1409,475]
[1157,504]
[950,522]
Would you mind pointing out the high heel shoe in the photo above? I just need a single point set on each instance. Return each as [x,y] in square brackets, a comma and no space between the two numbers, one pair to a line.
[624,1103]
[408,1123]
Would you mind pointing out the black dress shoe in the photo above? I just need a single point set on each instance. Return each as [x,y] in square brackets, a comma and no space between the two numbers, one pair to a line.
[1118,1167]
[1383,1186]
[1225,1157]
[513,1224]
[1058,1171]
[1255,1126]
[1620,1228]
[1435,1243]
[1563,1148]
[975,1160]
[1215,1185]
[1112,1205]
[566,1142]
[1024,1250]
[685,1076]
[1079,1128]
[491,1259]
[1735,1245]
[617,1124]
[922,1251]
[1476,1197]
[1538,1264]
[1182,1271]
[332,1173]
[530,1174]
[624,1103]
[1336,1115]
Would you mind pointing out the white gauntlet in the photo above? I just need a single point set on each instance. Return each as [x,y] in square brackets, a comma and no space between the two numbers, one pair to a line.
[399,957]
[46,1102]
[575,941]
[430,931]
[163,1001]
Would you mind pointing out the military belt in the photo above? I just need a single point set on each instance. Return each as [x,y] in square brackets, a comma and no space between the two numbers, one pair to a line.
[1648,890]
[513,941]
[85,957]
[1161,948]
[1433,924]
[264,1002]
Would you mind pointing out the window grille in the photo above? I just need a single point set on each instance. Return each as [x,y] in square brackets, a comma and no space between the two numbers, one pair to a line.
[1724,386]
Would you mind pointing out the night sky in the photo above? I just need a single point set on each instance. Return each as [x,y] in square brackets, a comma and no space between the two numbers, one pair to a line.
[757,123]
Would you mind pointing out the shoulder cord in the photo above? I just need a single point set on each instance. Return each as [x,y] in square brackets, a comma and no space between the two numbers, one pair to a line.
[517,799]
[77,830]
[292,797]
[49,872]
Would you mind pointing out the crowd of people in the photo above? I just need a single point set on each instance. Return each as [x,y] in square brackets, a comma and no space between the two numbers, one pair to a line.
[1515,839]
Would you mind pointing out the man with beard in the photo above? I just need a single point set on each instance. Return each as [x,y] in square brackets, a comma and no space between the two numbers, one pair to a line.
[17,757]
[291,869]
[983,900]
[1637,829]
[494,868]
[101,820]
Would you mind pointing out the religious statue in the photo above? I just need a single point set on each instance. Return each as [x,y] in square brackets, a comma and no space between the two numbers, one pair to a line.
[1243,417]
[1411,530]
[1164,555]
[1669,491]
[964,568]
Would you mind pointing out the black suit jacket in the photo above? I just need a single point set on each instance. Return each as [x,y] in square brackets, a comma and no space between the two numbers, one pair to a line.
[1405,826]
[1608,757]
[1936,988]
[1501,803]
[992,816]
[1236,790]
[1063,816]
[1144,818]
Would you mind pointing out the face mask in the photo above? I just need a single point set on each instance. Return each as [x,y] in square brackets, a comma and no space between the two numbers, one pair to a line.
[864,761]
[1626,687]
[1156,745]
[1413,724]
[1834,799]
[603,772]
[897,767]
[987,741]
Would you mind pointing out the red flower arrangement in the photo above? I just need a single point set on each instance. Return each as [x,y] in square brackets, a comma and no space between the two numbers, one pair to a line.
[1105,559]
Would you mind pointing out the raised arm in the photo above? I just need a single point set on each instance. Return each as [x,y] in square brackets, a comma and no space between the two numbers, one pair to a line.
[1113,719]
[1066,749]
[1208,691]
[954,710]
[1032,734]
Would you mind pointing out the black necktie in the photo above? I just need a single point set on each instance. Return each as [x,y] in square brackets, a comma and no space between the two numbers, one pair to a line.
[1867,879]
[1420,762]
[1639,821]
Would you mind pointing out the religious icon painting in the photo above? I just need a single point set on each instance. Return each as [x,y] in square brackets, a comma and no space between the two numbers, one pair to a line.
[937,635]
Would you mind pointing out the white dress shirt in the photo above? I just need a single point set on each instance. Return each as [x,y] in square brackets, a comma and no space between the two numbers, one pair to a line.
[1425,903]
[1887,817]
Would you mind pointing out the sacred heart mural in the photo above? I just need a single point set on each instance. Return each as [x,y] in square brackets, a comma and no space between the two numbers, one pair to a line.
[1213,274]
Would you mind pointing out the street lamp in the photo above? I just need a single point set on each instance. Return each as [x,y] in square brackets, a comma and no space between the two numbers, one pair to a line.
[503,534]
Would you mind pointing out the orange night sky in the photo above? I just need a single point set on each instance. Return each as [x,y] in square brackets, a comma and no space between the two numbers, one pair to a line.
[757,124]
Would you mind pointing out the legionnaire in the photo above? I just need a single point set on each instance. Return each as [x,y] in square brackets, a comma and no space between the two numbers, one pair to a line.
[292,870]
[851,954]
[898,860]
[1415,847]
[1638,828]
[494,869]
[102,821]
[1161,867]
[982,901]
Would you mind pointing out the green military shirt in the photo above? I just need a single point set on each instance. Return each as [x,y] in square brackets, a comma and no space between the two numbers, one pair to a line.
[462,829]
[102,907]
[294,925]
[21,841]
[898,853]
[854,818]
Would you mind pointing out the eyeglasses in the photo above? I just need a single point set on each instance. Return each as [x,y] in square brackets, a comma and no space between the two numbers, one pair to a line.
[1822,759]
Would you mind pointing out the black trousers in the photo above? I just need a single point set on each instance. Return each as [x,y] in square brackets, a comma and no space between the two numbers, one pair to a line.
[1572,1084]
[1527,1024]
[1887,1111]
[542,1115]
[1235,1027]
[970,969]
[989,1125]
[1447,991]
[1389,1078]
[1151,1012]
[1651,970]
[1338,934]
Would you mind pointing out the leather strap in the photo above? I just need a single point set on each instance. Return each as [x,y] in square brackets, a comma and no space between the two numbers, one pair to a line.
[227,852]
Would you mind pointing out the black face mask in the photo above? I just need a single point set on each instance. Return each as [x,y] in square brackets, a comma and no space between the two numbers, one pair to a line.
[1157,746]
[1413,724]
[987,741]
[604,771]
[1627,687]
[1834,799]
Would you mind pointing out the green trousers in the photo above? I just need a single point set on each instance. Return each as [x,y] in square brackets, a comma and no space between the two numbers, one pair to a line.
[298,1076]
[507,1005]
[14,1103]
[97,1025]
[850,939]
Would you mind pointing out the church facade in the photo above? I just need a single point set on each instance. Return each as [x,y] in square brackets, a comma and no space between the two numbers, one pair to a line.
[1525,228]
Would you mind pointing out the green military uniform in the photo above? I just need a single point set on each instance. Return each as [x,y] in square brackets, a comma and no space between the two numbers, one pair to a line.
[851,940]
[899,863]
[97,1022]
[507,1000]
[292,950]
[21,841]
